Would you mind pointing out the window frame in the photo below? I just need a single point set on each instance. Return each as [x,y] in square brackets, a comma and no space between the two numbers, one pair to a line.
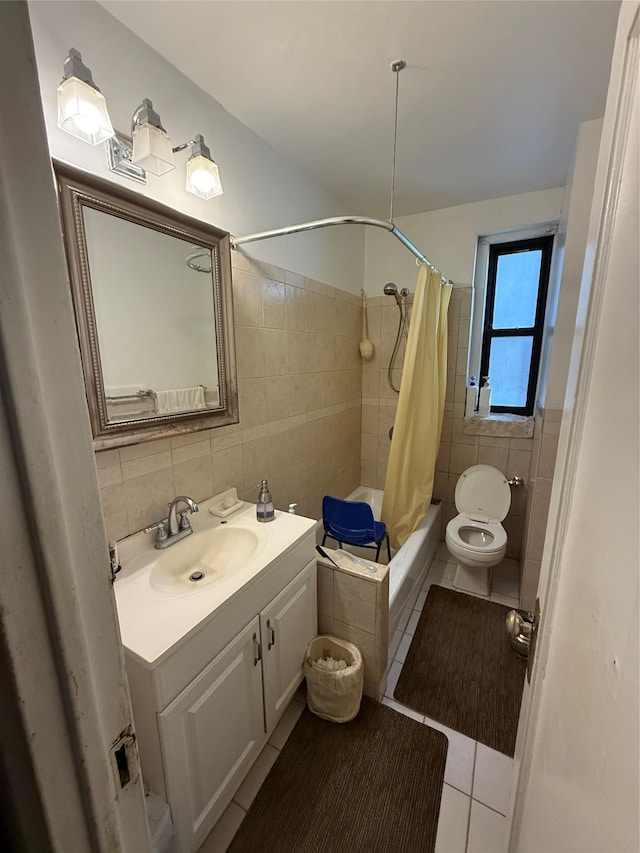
[544,243]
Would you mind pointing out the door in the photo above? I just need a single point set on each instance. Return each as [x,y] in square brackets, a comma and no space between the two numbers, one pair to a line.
[70,778]
[578,787]
[287,625]
[211,734]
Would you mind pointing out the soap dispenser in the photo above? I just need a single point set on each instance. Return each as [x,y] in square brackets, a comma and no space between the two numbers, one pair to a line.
[484,401]
[471,398]
[264,507]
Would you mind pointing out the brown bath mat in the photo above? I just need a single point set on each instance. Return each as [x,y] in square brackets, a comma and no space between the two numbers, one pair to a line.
[372,785]
[461,670]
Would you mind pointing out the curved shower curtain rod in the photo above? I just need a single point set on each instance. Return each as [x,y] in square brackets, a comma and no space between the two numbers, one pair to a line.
[337,220]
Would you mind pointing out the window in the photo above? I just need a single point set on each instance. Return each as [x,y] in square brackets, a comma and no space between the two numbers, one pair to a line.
[516,292]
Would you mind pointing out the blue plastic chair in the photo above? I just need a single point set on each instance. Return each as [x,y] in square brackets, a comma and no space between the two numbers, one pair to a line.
[352,522]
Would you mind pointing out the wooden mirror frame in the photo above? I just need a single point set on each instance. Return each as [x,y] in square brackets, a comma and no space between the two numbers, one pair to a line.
[78,190]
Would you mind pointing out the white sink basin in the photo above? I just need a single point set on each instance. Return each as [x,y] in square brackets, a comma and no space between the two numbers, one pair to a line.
[203,559]
[158,602]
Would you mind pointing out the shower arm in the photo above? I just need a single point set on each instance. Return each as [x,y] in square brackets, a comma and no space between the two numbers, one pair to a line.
[336,220]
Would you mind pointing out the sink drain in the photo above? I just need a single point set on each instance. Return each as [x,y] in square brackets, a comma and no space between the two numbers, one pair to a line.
[196,576]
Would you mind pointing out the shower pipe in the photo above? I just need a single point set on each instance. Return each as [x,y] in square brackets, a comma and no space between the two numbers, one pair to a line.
[337,220]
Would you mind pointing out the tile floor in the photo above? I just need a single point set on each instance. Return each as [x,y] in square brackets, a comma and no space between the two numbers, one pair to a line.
[477,782]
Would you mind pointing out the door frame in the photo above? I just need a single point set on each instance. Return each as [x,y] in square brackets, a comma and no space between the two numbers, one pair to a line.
[64,688]
[624,74]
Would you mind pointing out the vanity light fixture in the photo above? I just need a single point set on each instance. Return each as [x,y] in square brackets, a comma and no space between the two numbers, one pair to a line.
[152,149]
[203,177]
[82,111]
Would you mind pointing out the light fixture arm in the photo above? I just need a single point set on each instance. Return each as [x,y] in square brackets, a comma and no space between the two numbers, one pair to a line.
[199,147]
[120,150]
[187,144]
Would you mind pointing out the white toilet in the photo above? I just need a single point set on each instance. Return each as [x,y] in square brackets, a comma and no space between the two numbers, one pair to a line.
[475,537]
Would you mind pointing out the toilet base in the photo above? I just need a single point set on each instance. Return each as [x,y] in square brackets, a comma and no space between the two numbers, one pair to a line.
[477,581]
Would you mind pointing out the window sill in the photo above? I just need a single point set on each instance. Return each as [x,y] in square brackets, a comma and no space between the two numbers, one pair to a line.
[503,426]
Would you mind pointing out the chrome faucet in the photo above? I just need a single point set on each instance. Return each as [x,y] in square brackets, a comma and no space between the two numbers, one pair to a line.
[185,524]
[177,529]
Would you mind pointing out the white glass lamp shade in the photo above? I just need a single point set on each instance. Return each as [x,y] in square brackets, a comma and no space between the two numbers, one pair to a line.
[82,112]
[152,149]
[203,177]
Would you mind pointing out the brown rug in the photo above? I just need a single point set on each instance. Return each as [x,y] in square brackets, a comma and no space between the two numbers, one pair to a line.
[373,784]
[461,670]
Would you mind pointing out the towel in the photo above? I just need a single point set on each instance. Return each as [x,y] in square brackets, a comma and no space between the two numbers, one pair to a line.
[180,400]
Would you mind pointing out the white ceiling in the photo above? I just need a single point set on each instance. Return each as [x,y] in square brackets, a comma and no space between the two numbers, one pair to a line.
[490,101]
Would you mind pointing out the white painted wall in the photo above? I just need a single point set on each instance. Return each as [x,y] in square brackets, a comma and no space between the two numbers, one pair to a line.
[449,237]
[262,190]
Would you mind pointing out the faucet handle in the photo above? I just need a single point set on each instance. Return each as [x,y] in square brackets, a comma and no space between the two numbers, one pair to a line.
[185,524]
[162,534]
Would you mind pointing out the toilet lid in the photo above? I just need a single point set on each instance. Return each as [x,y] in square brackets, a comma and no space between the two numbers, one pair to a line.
[483,493]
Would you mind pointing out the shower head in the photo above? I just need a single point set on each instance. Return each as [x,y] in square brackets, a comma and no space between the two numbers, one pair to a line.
[391,289]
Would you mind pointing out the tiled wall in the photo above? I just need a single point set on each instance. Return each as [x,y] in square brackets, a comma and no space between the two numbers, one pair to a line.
[353,604]
[457,451]
[379,402]
[300,379]
[543,462]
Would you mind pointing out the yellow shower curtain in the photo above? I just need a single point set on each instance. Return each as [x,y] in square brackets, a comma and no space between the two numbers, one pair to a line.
[416,434]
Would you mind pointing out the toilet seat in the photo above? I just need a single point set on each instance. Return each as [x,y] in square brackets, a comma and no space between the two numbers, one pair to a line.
[483,498]
[483,494]
[498,532]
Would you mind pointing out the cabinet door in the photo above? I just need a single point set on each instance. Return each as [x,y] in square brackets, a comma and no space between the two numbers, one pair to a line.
[211,734]
[287,625]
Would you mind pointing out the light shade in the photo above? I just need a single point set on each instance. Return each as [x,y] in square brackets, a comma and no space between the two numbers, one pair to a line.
[151,145]
[152,150]
[82,109]
[203,177]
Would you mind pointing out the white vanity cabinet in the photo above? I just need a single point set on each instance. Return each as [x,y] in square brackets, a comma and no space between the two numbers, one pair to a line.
[287,625]
[211,734]
[204,713]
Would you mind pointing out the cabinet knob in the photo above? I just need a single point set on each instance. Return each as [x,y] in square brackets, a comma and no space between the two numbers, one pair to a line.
[272,639]
[258,655]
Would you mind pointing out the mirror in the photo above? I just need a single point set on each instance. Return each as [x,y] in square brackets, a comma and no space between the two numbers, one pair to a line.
[153,303]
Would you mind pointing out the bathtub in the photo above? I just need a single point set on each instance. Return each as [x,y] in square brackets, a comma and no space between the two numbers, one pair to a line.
[408,567]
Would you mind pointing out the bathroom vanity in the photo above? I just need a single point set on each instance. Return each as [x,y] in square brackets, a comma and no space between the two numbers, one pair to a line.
[213,663]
